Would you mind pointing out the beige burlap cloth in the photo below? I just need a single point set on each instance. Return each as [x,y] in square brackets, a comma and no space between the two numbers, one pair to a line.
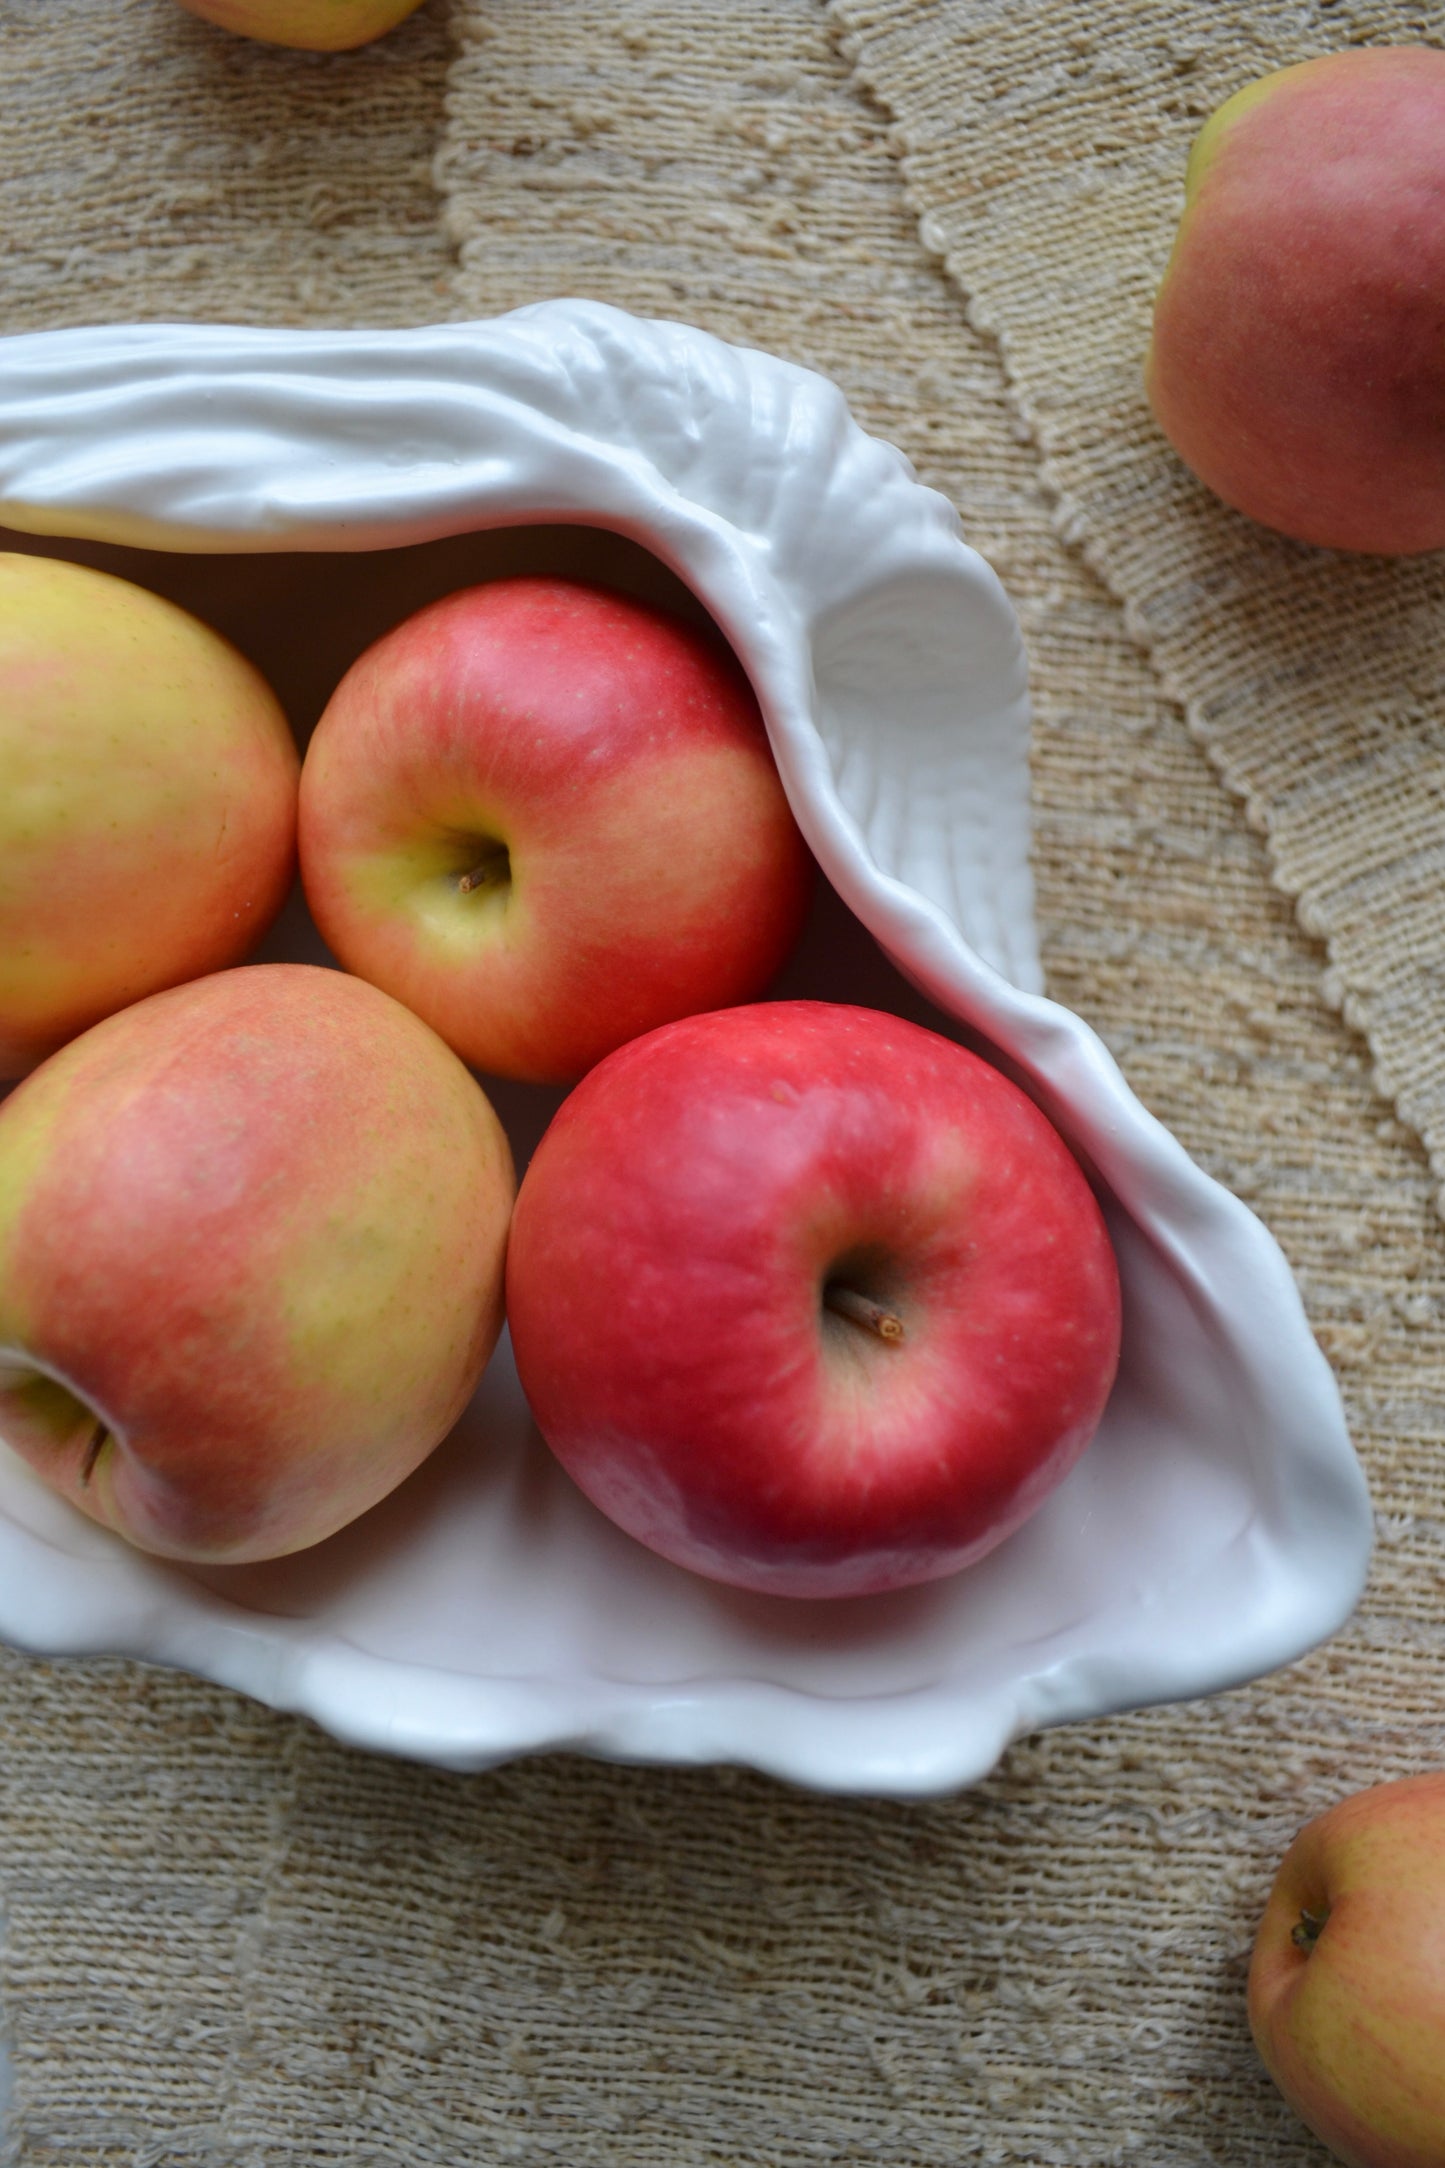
[232,1942]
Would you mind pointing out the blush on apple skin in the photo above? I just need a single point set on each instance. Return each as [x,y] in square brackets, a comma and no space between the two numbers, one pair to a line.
[1347,1981]
[1298,354]
[251,1244]
[546,817]
[690,1250]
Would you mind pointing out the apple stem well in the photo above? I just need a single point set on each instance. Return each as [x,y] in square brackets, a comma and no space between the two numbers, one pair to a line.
[862,1310]
[99,1438]
[493,869]
[1309,1927]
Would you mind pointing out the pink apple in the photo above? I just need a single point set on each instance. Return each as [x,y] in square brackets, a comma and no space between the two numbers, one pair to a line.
[1298,355]
[546,817]
[809,1299]
[316,26]
[147,801]
[251,1242]
[1347,1986]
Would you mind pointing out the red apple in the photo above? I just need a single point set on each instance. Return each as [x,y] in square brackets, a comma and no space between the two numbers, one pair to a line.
[1347,1986]
[810,1299]
[251,1240]
[1298,358]
[316,26]
[147,801]
[546,817]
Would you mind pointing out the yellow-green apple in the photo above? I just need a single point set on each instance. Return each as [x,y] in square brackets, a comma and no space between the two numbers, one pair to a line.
[810,1299]
[315,26]
[1347,1983]
[546,817]
[251,1244]
[148,786]
[1298,356]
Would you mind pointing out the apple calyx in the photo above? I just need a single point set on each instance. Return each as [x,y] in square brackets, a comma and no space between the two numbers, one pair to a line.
[1309,1927]
[862,1310]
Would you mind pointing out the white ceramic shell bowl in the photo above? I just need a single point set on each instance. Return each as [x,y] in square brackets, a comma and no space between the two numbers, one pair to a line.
[304,490]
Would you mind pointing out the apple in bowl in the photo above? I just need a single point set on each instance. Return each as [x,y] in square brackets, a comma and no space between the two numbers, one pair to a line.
[251,1244]
[546,817]
[148,783]
[810,1299]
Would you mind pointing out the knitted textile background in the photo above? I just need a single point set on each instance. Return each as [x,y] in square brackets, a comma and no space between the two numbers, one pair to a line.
[231,1941]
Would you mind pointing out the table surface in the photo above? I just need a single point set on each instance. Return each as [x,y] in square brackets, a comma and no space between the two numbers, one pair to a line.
[656,1958]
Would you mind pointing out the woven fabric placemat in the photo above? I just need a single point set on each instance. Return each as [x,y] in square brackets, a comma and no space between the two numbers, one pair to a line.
[156,168]
[232,1941]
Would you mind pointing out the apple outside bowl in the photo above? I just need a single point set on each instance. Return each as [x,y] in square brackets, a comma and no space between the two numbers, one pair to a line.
[305,490]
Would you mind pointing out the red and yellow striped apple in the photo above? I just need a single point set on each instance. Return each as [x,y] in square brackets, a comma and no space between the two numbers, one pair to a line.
[1298,356]
[251,1244]
[1347,1983]
[147,801]
[809,1299]
[547,818]
[315,26]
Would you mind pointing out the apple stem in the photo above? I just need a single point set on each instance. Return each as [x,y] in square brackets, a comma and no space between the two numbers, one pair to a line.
[1308,1928]
[862,1310]
[98,1438]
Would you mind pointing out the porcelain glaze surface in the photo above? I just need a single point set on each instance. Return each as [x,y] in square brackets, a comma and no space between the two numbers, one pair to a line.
[1217,1527]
